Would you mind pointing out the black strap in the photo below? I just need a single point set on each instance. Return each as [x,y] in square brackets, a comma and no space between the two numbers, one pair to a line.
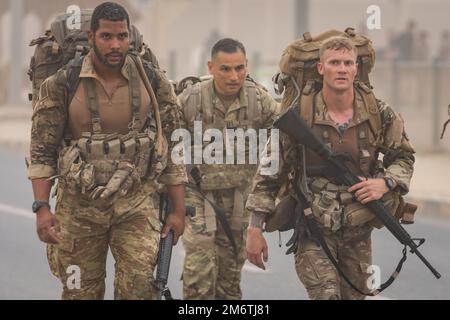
[151,75]
[91,95]
[444,128]
[73,77]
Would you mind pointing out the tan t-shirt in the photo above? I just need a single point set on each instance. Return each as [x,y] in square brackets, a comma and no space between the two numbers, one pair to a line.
[115,110]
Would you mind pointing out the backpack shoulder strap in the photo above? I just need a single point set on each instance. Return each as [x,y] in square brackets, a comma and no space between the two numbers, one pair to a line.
[307,102]
[370,103]
[73,77]
[191,101]
[253,98]
[206,102]
[151,74]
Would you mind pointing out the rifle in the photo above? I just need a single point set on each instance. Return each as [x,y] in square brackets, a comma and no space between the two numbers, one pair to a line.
[293,125]
[165,249]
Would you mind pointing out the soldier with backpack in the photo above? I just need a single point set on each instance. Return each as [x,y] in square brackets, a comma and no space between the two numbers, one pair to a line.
[326,78]
[101,127]
[215,238]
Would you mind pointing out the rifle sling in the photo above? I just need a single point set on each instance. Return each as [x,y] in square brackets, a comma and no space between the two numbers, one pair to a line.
[316,232]
[220,214]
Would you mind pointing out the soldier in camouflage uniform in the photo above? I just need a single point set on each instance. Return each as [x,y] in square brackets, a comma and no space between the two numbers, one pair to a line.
[343,121]
[229,100]
[108,152]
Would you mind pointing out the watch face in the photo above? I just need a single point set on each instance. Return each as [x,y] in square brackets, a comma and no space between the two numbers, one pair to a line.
[38,204]
[389,183]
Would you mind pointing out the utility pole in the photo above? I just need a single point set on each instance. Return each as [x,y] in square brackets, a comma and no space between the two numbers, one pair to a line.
[15,63]
[301,8]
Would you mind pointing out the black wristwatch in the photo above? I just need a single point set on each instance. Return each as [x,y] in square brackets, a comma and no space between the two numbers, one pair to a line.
[39,204]
[389,183]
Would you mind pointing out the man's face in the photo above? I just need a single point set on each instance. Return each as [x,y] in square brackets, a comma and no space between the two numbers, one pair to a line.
[111,42]
[229,71]
[338,68]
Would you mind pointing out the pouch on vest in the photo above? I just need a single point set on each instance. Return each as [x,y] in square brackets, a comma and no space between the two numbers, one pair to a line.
[158,162]
[67,157]
[406,212]
[283,217]
[327,210]
[70,166]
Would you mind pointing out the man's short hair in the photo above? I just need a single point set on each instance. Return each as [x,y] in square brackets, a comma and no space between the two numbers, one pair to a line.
[227,45]
[110,11]
[337,43]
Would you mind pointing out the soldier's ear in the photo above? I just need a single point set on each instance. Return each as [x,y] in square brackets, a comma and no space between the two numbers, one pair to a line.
[90,35]
[210,67]
[320,68]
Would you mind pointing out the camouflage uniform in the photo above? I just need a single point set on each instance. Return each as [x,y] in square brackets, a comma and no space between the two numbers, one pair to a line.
[210,268]
[128,224]
[346,224]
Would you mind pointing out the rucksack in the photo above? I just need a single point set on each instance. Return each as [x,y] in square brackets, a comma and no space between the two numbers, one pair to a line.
[299,63]
[61,46]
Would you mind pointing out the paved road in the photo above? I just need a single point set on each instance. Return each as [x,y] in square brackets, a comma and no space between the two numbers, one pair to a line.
[24,273]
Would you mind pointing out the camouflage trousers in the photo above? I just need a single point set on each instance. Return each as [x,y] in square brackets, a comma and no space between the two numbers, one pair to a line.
[129,226]
[351,247]
[210,269]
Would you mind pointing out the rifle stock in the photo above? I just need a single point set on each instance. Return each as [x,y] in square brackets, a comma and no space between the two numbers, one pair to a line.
[295,127]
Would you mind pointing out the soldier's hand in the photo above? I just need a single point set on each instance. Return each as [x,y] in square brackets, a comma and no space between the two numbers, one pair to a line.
[369,190]
[175,222]
[45,225]
[257,247]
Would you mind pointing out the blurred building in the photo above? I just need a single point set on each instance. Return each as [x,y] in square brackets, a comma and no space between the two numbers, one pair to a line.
[181,33]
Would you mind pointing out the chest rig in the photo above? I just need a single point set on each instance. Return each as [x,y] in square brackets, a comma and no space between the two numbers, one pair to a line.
[201,106]
[333,206]
[91,161]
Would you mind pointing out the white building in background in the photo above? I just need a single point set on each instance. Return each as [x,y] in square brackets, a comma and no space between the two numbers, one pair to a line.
[181,31]
[268,26]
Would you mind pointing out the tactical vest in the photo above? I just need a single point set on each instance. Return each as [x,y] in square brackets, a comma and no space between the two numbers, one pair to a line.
[199,106]
[90,162]
[333,206]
